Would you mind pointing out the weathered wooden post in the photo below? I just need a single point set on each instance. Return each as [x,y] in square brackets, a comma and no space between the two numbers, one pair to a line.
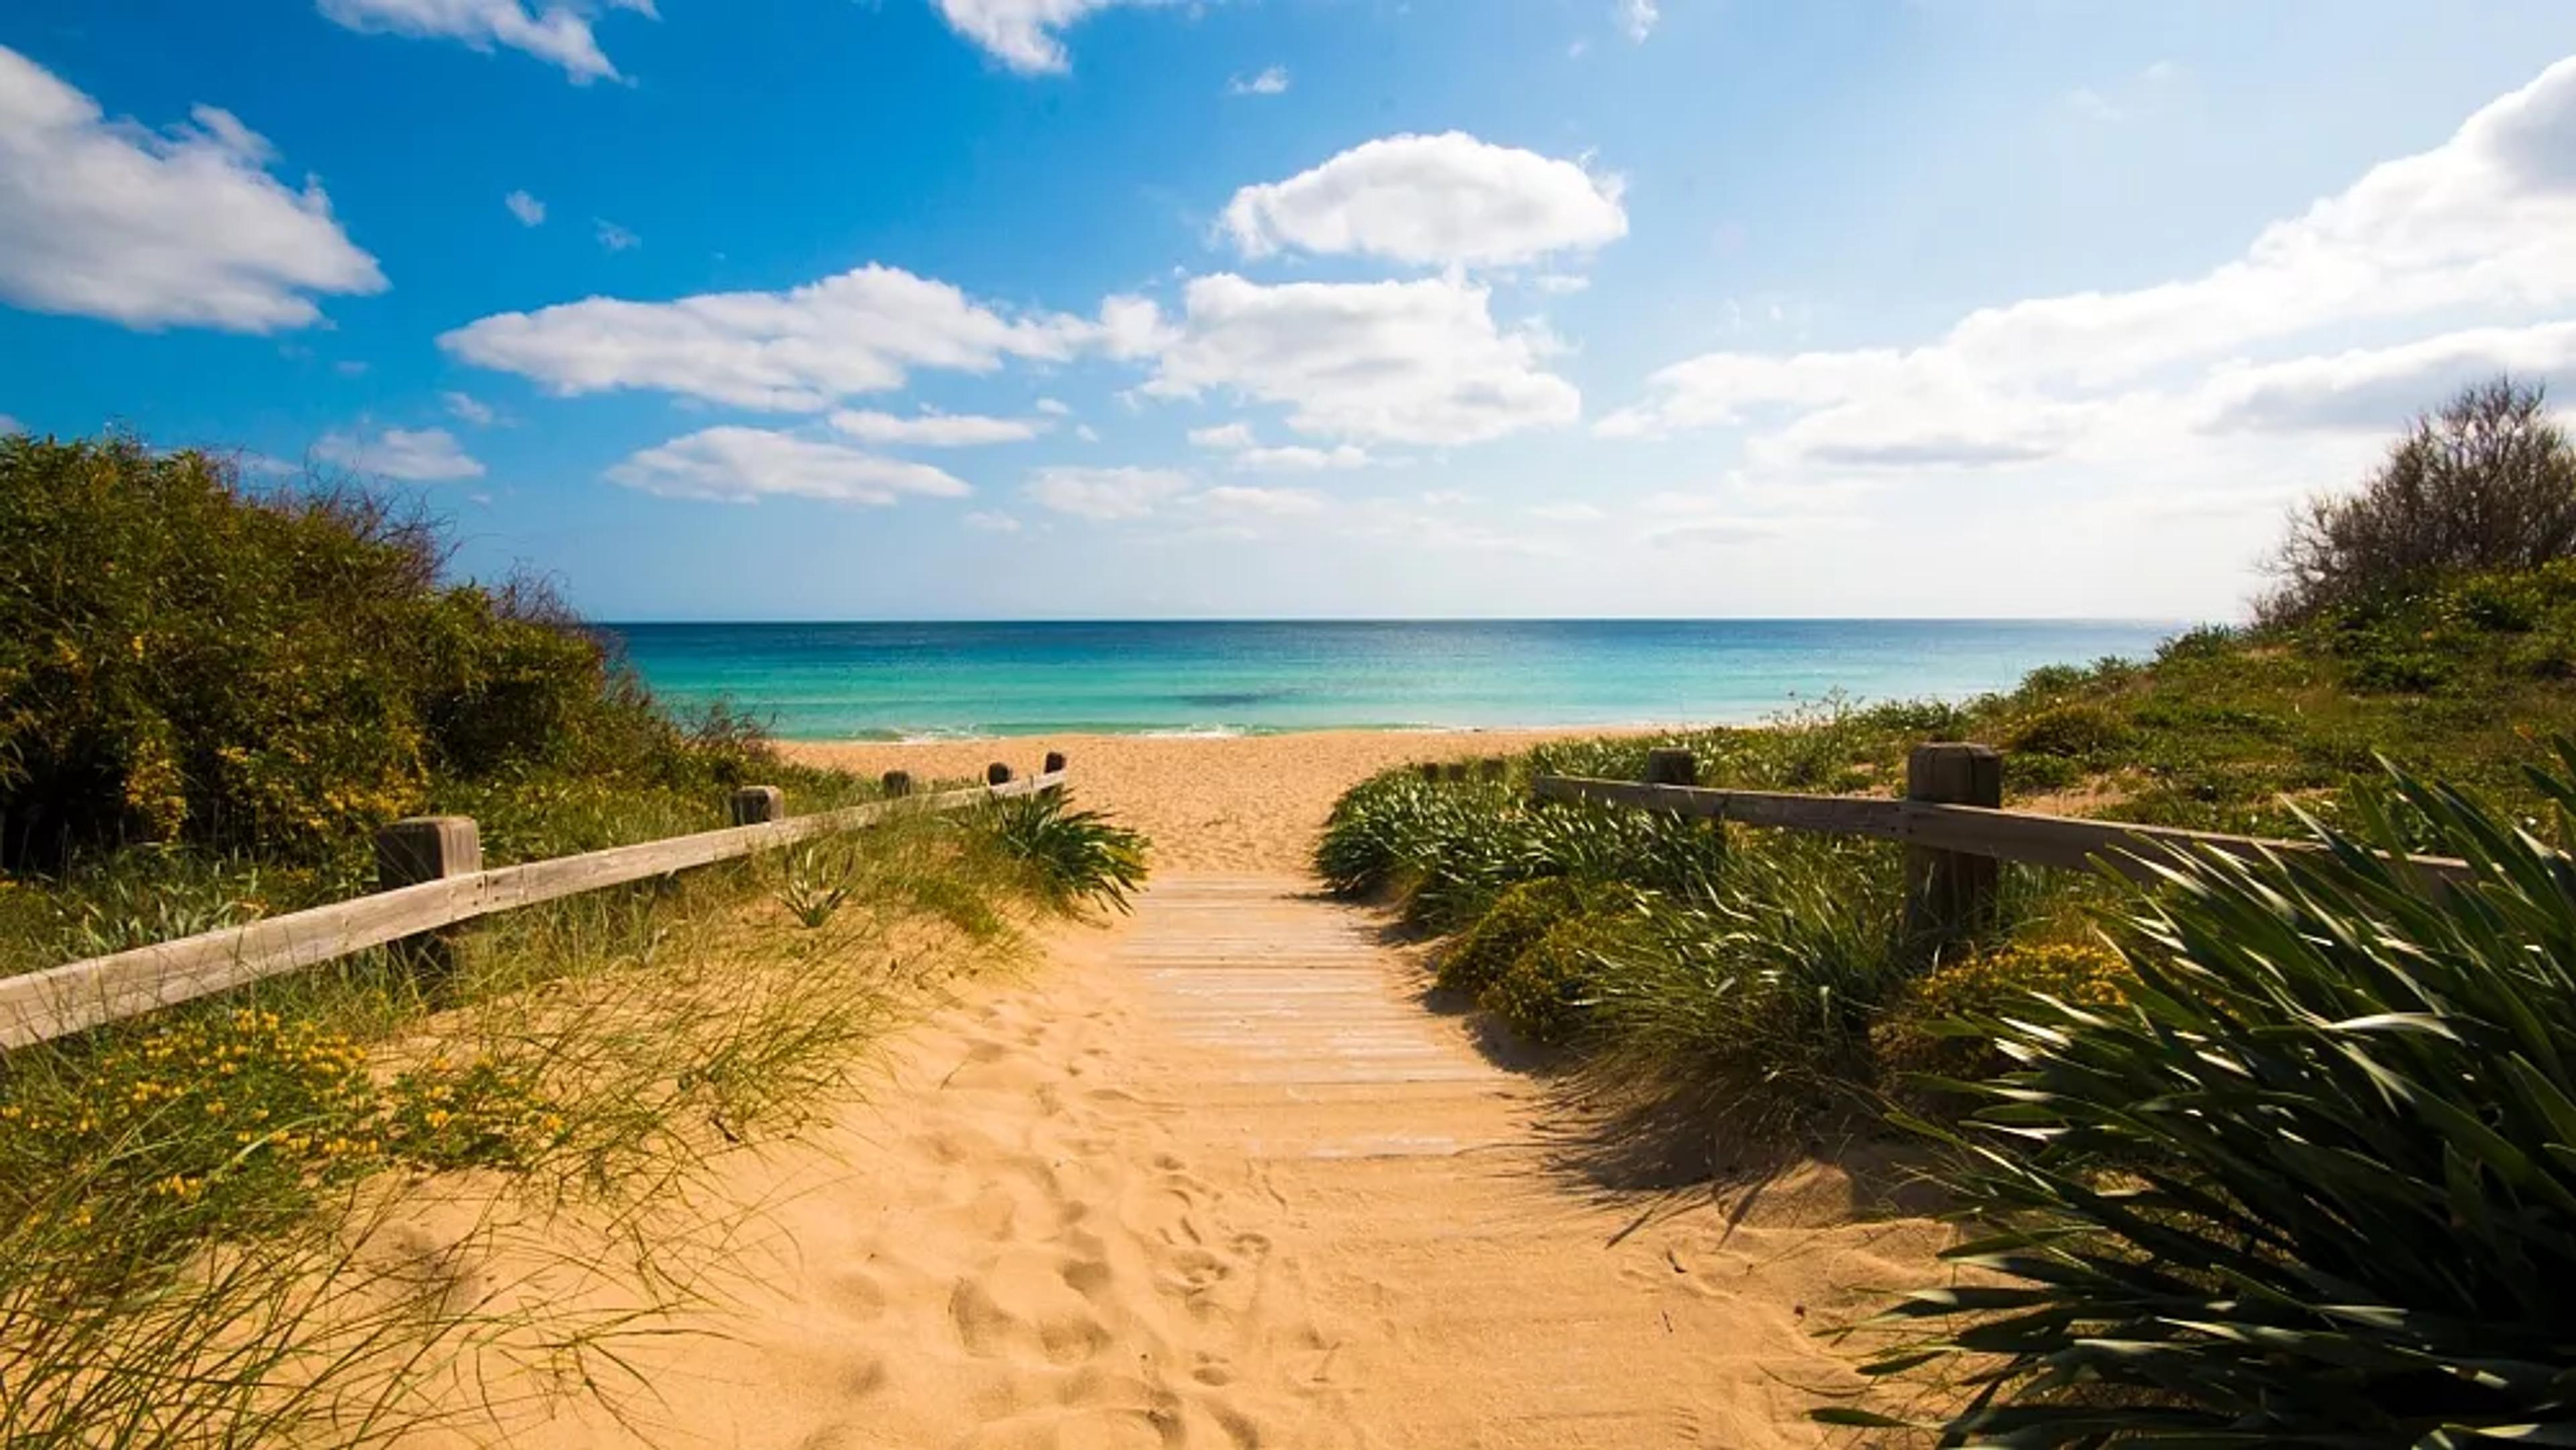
[1950,895]
[756,805]
[897,784]
[1493,767]
[1454,772]
[997,774]
[428,848]
[1430,772]
[1054,762]
[1670,765]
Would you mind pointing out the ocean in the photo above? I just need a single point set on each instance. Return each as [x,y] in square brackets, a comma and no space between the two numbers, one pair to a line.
[945,681]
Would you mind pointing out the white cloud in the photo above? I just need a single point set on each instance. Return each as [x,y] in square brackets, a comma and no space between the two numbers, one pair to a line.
[992,523]
[1438,200]
[2475,226]
[1105,494]
[10,425]
[1276,503]
[1053,408]
[1022,34]
[1637,19]
[2092,103]
[934,430]
[530,211]
[1402,362]
[1567,513]
[1560,283]
[423,455]
[2375,390]
[616,238]
[1086,433]
[794,351]
[1272,81]
[1223,435]
[743,465]
[1298,459]
[556,33]
[468,407]
[182,227]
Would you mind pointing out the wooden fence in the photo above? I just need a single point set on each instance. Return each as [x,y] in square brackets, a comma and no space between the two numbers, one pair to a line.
[1951,823]
[431,872]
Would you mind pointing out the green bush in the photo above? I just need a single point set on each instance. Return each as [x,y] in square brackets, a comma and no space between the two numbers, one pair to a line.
[2076,729]
[1932,1027]
[2315,1184]
[1547,991]
[183,659]
[1512,925]
[1076,856]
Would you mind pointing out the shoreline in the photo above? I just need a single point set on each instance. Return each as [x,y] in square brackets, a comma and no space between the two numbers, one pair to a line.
[1218,803]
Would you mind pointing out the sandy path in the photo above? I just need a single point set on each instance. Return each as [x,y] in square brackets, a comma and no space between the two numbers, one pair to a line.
[1217,1178]
[1248,803]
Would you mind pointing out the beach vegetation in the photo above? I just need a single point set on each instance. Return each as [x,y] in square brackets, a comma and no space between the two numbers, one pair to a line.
[2302,1172]
[1075,858]
[319,1206]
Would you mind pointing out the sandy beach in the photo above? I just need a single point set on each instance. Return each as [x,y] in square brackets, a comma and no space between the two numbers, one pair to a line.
[1217,1175]
[1223,803]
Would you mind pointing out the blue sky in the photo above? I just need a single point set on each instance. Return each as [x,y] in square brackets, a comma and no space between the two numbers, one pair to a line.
[1039,308]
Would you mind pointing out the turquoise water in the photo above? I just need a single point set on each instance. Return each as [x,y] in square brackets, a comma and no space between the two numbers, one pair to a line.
[928,681]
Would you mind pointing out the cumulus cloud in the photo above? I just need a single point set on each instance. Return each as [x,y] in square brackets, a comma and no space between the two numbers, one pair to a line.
[614,237]
[1223,435]
[468,407]
[1025,35]
[1398,362]
[1053,408]
[530,211]
[1637,19]
[2373,389]
[1273,503]
[558,34]
[992,523]
[422,455]
[182,227]
[795,351]
[1105,494]
[934,430]
[1438,200]
[1300,459]
[744,465]
[2478,224]
[1272,81]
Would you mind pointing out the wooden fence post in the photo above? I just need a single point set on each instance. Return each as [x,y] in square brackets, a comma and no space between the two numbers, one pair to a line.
[1430,772]
[897,784]
[1054,761]
[1667,765]
[428,848]
[997,774]
[756,805]
[1950,895]
[1493,767]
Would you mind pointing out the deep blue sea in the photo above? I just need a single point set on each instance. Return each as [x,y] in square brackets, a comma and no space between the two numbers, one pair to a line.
[928,681]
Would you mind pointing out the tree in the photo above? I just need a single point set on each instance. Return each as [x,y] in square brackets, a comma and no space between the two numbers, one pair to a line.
[2489,482]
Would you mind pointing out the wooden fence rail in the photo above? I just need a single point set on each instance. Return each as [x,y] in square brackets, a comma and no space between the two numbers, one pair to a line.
[432,867]
[1952,846]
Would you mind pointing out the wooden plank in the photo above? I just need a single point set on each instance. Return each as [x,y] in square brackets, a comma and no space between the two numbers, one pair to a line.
[2024,836]
[40,1006]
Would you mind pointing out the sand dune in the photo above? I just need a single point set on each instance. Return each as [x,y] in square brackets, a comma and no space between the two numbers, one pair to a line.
[1215,1177]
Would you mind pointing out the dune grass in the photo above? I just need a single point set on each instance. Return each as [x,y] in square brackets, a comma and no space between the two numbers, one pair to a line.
[334,1206]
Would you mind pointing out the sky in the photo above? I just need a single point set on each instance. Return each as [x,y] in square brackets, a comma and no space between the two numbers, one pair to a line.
[854,309]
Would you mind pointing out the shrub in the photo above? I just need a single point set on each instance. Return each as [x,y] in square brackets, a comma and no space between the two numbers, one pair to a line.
[2076,729]
[1077,856]
[184,660]
[2489,482]
[2314,1185]
[1933,1030]
[1512,925]
[1547,991]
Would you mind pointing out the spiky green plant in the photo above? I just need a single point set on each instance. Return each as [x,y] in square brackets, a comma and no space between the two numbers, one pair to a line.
[2315,1185]
[1077,856]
